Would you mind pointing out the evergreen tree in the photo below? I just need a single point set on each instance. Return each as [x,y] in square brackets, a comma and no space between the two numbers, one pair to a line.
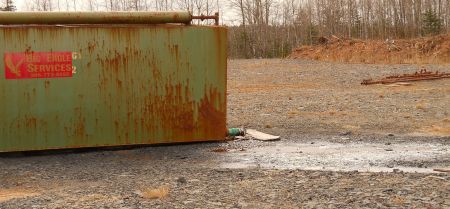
[432,25]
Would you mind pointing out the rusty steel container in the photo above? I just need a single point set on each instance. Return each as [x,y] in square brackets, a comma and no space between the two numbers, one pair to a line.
[116,82]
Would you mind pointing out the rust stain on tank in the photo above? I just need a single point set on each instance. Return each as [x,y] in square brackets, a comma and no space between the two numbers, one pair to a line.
[175,52]
[212,112]
[92,46]
[28,49]
[47,84]
[80,123]
[30,122]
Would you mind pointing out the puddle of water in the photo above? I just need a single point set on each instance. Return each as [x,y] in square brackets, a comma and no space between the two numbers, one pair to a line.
[364,157]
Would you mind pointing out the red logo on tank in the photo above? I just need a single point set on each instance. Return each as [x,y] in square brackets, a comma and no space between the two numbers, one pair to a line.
[38,65]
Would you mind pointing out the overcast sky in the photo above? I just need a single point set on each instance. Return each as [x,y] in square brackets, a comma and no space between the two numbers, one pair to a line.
[20,4]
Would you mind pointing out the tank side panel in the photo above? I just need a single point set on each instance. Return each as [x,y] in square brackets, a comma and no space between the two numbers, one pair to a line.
[131,85]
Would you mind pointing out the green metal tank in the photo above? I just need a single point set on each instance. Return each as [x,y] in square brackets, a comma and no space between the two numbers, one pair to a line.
[84,79]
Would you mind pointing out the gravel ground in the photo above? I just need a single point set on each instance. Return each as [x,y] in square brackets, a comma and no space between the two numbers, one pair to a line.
[292,97]
[309,104]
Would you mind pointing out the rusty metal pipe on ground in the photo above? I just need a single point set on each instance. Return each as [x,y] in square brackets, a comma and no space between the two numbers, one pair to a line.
[421,75]
[51,18]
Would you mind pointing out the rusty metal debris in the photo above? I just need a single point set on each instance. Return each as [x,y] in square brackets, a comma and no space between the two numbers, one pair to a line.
[442,170]
[262,136]
[421,75]
[202,17]
[233,132]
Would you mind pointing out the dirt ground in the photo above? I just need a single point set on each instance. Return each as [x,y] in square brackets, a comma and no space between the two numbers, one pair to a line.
[343,146]
[293,97]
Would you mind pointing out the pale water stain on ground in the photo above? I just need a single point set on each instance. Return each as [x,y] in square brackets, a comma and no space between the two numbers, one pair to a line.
[362,157]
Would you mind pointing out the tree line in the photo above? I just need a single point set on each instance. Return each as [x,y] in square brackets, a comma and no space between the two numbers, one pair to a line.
[272,28]
[195,6]
[8,6]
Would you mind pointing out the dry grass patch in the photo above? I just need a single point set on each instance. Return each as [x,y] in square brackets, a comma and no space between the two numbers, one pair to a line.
[438,130]
[421,106]
[398,200]
[159,193]
[9,194]
[293,112]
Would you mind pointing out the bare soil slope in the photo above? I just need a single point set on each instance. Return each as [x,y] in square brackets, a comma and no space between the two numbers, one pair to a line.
[428,50]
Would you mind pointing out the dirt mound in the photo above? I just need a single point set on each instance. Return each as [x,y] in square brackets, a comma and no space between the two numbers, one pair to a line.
[428,50]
